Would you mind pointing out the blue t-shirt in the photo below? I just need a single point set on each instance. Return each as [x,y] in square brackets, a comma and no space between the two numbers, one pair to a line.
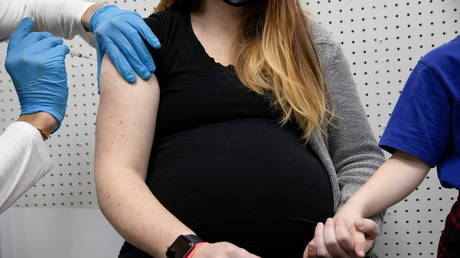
[426,119]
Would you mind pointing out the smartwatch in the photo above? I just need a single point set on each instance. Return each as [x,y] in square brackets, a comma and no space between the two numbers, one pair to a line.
[183,245]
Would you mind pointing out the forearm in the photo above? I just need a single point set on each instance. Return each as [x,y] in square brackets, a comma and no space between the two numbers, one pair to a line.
[59,17]
[135,213]
[11,13]
[64,21]
[24,159]
[391,183]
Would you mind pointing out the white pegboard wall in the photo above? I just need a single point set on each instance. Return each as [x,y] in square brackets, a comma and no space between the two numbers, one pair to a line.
[383,40]
[70,182]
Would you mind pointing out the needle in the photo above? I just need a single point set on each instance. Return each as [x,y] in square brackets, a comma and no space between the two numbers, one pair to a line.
[80,55]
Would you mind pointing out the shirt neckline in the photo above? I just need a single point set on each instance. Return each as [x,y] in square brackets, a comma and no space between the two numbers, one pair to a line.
[200,47]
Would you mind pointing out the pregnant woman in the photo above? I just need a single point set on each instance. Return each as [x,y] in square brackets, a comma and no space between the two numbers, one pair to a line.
[250,133]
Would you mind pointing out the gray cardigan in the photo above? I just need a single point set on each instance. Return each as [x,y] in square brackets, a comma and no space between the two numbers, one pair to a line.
[349,151]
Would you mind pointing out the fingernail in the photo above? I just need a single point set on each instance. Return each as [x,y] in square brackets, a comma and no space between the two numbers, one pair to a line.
[146,75]
[131,79]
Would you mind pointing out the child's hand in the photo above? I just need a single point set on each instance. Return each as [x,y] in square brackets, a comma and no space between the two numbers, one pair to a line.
[344,236]
[332,239]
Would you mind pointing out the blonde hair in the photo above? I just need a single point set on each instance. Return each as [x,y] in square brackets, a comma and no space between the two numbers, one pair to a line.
[275,56]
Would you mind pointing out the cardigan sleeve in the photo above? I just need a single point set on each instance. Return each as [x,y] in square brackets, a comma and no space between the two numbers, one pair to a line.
[351,143]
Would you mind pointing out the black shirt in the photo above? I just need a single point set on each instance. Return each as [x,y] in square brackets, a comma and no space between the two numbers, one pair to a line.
[220,162]
[203,91]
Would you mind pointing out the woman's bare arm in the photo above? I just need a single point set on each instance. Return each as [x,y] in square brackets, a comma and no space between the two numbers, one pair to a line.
[124,134]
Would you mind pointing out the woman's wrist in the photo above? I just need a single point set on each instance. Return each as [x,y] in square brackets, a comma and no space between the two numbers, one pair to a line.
[195,249]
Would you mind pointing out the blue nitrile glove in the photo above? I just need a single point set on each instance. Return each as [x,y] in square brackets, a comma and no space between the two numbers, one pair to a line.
[119,34]
[35,62]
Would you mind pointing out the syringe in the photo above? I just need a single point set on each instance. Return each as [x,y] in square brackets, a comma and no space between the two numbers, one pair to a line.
[73,53]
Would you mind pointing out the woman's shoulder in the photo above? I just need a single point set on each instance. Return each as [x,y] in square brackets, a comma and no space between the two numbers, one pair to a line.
[161,22]
[165,24]
[327,49]
[163,17]
[320,34]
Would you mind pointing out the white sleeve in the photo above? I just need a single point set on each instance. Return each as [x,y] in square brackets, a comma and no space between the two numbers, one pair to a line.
[24,159]
[59,17]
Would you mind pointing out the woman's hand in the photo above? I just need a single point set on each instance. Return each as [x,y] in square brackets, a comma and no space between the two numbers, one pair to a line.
[222,250]
[347,235]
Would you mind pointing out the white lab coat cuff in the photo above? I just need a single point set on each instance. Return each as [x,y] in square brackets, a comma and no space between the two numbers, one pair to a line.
[23,129]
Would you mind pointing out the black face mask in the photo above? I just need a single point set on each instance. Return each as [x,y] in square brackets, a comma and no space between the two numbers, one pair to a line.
[238,2]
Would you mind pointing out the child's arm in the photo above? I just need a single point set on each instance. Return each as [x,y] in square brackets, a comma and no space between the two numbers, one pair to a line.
[391,183]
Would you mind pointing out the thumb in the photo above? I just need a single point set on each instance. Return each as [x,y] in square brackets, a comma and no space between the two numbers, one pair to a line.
[23,29]
[368,227]
[61,50]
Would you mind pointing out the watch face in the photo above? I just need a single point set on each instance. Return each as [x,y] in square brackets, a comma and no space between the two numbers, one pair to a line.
[181,247]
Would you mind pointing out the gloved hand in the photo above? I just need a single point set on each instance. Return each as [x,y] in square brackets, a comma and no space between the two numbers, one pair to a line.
[118,34]
[35,62]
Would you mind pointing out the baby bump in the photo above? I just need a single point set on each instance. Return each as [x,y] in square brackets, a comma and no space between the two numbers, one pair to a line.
[242,181]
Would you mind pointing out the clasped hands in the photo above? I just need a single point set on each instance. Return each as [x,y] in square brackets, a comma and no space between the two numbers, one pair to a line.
[345,235]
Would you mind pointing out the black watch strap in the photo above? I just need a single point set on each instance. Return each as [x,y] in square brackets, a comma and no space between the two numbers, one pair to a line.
[182,246]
